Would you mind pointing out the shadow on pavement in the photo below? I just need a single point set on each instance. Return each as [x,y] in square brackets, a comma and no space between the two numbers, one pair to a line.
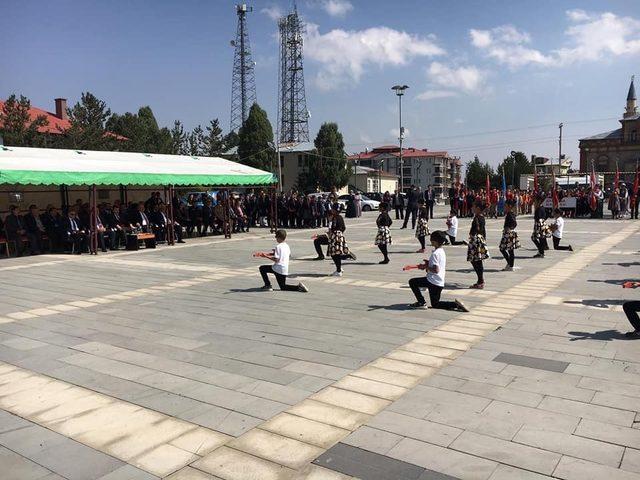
[607,335]
[596,303]
[394,307]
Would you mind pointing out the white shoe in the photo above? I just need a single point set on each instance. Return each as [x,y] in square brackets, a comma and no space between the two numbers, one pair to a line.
[302,287]
[336,274]
[507,269]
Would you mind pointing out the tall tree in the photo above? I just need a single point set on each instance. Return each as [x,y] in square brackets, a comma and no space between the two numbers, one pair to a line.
[255,143]
[142,130]
[513,166]
[213,140]
[231,140]
[17,128]
[476,174]
[88,118]
[178,139]
[196,142]
[328,166]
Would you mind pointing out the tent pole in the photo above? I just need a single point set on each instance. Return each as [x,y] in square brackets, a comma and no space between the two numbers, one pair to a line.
[227,219]
[93,205]
[171,227]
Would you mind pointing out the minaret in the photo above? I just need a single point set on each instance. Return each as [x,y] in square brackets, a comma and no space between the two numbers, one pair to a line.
[632,109]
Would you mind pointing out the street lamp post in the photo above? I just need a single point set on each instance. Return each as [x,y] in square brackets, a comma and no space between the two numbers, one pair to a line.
[399,89]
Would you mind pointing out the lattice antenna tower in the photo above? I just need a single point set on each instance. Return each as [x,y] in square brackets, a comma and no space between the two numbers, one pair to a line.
[243,84]
[292,104]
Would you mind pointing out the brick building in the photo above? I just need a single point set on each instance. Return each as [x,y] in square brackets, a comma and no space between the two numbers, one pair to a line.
[621,146]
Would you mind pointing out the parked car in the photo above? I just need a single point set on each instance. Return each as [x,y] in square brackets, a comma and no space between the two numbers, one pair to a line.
[367,203]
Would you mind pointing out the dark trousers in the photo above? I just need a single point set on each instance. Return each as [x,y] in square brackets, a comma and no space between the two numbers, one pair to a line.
[384,250]
[434,293]
[413,212]
[35,242]
[634,210]
[453,241]
[479,269]
[281,279]
[509,256]
[541,244]
[421,239]
[631,310]
[399,212]
[318,242]
[430,204]
[557,246]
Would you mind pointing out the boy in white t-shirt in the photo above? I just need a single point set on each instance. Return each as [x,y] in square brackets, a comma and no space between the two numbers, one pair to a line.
[280,268]
[557,228]
[452,229]
[434,281]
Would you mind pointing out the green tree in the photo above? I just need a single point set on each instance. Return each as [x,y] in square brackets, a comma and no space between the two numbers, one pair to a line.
[231,140]
[213,140]
[196,142]
[178,139]
[513,166]
[255,142]
[142,130]
[476,174]
[88,120]
[17,128]
[328,165]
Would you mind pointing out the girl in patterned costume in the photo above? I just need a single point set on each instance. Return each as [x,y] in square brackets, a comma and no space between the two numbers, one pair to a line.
[338,249]
[383,237]
[541,231]
[509,240]
[477,250]
[422,229]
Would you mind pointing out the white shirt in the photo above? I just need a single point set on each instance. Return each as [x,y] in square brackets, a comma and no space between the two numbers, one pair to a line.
[282,252]
[439,258]
[453,229]
[559,227]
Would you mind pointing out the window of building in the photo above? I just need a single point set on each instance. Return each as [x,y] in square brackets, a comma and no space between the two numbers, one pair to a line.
[633,136]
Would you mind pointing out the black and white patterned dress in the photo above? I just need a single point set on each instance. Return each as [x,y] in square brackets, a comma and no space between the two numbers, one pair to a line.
[422,228]
[509,240]
[337,242]
[477,249]
[383,236]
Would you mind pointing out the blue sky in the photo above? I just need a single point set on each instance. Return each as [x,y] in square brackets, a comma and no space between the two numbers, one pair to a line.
[473,66]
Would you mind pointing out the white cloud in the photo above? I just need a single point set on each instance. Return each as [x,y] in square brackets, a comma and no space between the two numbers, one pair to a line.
[590,37]
[274,12]
[337,8]
[344,55]
[433,94]
[468,79]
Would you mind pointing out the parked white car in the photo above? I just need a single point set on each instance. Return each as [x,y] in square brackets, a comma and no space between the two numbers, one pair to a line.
[367,204]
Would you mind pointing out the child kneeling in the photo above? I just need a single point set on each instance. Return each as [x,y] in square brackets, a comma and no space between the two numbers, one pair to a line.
[280,268]
[434,280]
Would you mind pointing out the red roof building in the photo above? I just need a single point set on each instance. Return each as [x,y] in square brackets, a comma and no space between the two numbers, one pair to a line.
[422,167]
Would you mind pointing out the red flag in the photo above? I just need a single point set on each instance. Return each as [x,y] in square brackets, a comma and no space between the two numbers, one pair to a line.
[636,184]
[617,179]
[593,201]
[488,191]
[554,190]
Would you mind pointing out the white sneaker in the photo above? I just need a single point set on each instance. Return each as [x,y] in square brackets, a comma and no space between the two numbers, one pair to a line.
[507,269]
[336,274]
[302,287]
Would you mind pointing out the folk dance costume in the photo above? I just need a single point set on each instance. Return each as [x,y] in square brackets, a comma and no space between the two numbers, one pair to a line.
[509,241]
[337,249]
[477,250]
[383,237]
[422,232]
[541,231]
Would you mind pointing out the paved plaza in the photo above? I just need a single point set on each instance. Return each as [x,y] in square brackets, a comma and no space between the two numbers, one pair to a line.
[171,363]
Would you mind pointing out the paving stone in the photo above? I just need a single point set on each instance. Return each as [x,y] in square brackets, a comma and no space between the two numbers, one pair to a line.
[532,362]
[588,411]
[385,376]
[506,452]
[232,464]
[554,389]
[531,416]
[618,435]
[373,440]
[188,473]
[506,472]
[128,472]
[631,460]
[500,393]
[370,387]
[329,414]
[411,427]
[305,430]
[16,467]
[571,445]
[575,469]
[354,401]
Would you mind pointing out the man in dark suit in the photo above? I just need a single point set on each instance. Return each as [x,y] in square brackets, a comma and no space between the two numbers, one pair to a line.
[413,196]
[75,236]
[430,200]
[397,200]
[52,225]
[162,223]
[139,219]
[115,226]
[35,229]
[14,227]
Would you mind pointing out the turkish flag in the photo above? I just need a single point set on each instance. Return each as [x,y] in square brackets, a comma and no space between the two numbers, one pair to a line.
[593,201]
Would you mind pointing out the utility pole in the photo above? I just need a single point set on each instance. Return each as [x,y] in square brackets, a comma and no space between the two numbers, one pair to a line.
[243,90]
[399,89]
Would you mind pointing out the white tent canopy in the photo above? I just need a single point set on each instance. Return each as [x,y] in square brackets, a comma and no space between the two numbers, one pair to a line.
[48,166]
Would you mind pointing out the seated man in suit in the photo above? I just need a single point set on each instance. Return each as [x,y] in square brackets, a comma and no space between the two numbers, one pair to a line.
[158,223]
[35,229]
[162,219]
[74,234]
[115,226]
[52,225]
[139,221]
[14,226]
